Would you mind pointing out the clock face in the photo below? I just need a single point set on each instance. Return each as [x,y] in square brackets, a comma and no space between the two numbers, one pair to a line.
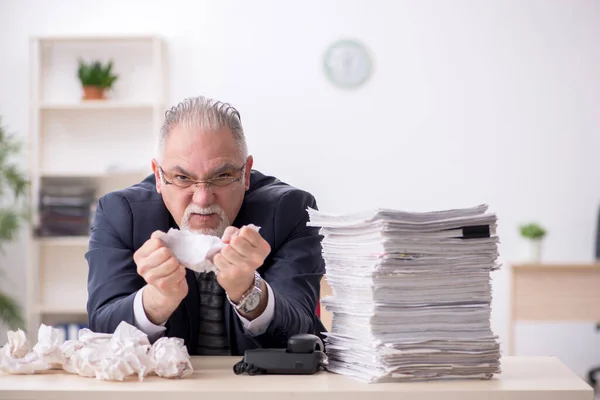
[347,63]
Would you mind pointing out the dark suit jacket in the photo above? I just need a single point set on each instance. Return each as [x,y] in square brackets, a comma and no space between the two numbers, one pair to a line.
[125,219]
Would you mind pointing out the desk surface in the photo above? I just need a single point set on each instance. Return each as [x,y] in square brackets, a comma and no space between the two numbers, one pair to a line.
[523,378]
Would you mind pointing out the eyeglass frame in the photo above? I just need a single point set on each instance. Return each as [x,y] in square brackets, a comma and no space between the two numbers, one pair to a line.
[208,183]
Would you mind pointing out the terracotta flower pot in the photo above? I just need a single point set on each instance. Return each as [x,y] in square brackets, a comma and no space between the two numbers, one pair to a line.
[93,93]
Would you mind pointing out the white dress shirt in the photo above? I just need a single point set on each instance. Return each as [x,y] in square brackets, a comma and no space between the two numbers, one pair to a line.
[255,327]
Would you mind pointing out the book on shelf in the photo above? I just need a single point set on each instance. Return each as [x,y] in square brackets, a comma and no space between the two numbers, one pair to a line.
[66,209]
[69,331]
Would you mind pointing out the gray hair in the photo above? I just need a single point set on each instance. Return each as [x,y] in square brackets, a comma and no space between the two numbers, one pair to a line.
[206,114]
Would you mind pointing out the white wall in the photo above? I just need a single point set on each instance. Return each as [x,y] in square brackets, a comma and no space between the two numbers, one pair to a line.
[471,101]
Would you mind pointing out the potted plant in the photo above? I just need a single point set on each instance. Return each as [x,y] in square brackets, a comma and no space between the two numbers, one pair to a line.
[534,234]
[96,79]
[13,187]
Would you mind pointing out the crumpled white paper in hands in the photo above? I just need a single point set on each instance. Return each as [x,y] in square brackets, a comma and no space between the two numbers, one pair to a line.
[99,355]
[195,250]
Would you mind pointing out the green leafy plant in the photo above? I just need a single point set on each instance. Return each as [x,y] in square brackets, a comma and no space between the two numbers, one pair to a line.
[532,231]
[96,74]
[13,190]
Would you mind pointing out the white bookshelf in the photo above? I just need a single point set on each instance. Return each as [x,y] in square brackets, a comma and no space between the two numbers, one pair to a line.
[98,105]
[104,144]
[69,241]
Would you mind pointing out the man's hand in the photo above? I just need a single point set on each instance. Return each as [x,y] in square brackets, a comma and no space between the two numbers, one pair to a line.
[165,277]
[244,253]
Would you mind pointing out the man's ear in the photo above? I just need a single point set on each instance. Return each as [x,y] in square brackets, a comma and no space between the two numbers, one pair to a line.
[247,172]
[156,175]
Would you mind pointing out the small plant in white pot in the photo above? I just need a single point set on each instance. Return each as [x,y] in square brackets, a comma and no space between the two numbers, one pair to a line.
[534,234]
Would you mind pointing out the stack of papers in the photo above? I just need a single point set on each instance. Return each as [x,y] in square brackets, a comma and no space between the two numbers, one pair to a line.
[411,293]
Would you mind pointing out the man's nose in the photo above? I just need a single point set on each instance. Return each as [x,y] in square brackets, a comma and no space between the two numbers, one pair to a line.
[203,195]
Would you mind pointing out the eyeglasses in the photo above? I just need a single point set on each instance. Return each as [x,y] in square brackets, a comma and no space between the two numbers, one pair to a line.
[221,180]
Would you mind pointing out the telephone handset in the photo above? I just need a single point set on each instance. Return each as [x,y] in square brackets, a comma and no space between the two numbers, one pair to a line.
[304,355]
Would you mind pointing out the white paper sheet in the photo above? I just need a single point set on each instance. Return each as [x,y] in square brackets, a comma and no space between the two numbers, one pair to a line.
[411,293]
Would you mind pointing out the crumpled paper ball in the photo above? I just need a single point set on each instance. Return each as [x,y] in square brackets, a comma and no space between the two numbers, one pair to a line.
[170,355]
[48,346]
[195,250]
[102,356]
[110,357]
[17,357]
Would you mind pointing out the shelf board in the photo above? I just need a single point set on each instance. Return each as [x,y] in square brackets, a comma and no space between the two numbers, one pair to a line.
[98,105]
[81,175]
[64,241]
[96,38]
[49,310]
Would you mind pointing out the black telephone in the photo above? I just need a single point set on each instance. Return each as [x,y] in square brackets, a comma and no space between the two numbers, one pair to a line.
[304,355]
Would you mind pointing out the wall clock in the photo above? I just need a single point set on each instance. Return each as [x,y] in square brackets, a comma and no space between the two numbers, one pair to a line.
[347,64]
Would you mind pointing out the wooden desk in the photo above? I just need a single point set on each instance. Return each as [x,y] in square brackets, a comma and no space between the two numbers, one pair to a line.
[527,378]
[553,292]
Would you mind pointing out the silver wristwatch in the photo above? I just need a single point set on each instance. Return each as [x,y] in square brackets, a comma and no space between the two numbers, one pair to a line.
[251,299]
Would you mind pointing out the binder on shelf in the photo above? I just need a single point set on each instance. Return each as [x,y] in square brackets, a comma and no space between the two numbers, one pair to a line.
[69,331]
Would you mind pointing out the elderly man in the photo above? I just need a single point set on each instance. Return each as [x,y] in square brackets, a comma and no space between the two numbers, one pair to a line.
[267,285]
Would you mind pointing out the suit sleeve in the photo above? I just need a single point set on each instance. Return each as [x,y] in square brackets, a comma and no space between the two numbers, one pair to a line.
[294,271]
[113,280]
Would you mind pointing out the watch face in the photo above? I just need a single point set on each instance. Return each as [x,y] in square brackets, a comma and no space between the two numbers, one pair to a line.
[252,301]
[347,63]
